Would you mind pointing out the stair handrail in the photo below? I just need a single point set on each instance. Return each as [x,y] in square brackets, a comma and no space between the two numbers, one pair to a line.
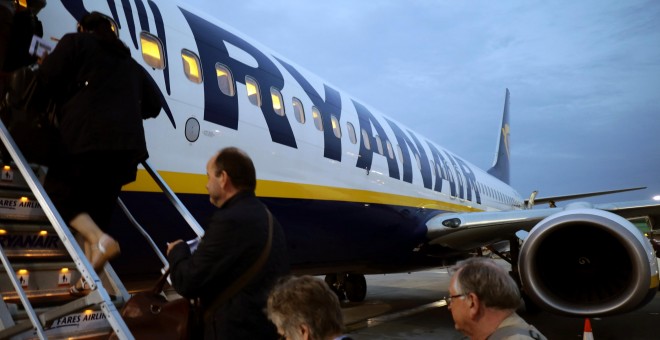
[192,222]
[82,264]
[142,231]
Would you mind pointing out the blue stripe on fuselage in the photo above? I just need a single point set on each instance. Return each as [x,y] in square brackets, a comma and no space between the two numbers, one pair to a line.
[320,234]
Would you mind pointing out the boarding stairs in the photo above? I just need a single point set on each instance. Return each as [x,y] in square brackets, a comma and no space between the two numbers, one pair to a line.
[41,259]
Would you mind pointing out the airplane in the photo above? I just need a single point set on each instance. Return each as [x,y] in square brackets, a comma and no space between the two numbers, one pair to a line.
[356,191]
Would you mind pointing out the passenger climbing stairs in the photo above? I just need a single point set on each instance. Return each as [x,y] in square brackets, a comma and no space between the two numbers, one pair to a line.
[41,259]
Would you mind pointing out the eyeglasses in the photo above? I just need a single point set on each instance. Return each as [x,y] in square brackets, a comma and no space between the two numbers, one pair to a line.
[450,297]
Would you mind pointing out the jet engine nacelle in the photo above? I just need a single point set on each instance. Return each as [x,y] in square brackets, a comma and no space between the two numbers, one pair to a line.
[588,262]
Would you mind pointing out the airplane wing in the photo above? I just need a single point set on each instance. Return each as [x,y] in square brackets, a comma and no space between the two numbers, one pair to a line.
[464,231]
[569,255]
[553,199]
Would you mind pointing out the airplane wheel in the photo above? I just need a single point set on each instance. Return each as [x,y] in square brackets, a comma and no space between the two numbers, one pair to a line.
[333,282]
[356,287]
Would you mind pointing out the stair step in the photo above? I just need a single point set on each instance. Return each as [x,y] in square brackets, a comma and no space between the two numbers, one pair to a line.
[41,298]
[31,241]
[11,177]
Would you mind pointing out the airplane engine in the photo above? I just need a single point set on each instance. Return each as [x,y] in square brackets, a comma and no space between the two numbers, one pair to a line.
[588,262]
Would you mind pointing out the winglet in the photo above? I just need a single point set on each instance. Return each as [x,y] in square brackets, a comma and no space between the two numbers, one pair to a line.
[500,168]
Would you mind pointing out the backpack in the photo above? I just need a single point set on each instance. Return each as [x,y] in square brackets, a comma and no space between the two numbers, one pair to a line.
[30,115]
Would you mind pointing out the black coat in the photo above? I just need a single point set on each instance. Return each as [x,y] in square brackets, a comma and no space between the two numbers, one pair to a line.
[24,26]
[235,237]
[103,95]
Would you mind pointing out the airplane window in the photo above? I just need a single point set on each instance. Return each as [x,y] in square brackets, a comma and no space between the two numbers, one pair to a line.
[298,110]
[225,80]
[365,139]
[437,168]
[316,115]
[276,96]
[335,126]
[191,66]
[419,163]
[252,90]
[379,145]
[390,152]
[152,50]
[351,132]
[398,147]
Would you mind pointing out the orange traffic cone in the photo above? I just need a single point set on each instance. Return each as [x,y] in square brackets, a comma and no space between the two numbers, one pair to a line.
[587,330]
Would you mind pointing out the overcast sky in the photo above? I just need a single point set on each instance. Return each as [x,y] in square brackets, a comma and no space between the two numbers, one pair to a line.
[584,77]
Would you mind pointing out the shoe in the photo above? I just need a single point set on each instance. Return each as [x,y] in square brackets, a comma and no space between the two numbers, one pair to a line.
[107,248]
[80,289]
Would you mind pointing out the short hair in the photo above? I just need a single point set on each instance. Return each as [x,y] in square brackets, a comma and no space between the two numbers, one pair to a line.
[36,4]
[238,166]
[307,300]
[96,22]
[490,282]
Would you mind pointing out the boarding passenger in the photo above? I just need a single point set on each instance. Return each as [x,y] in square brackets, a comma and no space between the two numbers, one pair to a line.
[103,95]
[304,308]
[7,10]
[483,299]
[236,239]
[24,26]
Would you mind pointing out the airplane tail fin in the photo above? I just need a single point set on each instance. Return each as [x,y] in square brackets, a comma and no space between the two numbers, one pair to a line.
[500,168]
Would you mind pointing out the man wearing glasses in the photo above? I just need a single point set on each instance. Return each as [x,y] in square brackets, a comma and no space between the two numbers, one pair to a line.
[483,299]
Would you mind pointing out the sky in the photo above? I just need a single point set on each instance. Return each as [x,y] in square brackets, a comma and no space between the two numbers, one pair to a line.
[584,78]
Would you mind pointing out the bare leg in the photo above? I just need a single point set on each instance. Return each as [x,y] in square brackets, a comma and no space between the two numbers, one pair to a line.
[88,250]
[84,224]
[98,246]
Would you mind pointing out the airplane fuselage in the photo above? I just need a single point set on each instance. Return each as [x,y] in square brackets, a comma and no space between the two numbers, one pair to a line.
[354,197]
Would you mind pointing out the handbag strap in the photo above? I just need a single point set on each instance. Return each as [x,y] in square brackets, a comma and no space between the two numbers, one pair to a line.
[158,287]
[237,285]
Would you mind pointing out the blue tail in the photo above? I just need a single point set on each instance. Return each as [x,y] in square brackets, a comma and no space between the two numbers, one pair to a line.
[501,166]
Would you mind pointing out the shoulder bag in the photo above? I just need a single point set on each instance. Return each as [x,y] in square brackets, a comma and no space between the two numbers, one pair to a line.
[149,315]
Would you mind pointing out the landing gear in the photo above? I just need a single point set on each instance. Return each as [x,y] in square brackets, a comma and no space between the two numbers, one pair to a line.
[348,286]
[356,287]
[514,247]
[336,286]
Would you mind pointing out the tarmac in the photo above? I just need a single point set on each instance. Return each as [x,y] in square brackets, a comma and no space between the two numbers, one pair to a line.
[410,306]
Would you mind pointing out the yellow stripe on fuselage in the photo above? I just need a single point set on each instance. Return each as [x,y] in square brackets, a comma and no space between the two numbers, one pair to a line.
[186,183]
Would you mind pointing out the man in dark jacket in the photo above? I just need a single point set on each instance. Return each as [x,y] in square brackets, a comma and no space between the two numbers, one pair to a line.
[236,235]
